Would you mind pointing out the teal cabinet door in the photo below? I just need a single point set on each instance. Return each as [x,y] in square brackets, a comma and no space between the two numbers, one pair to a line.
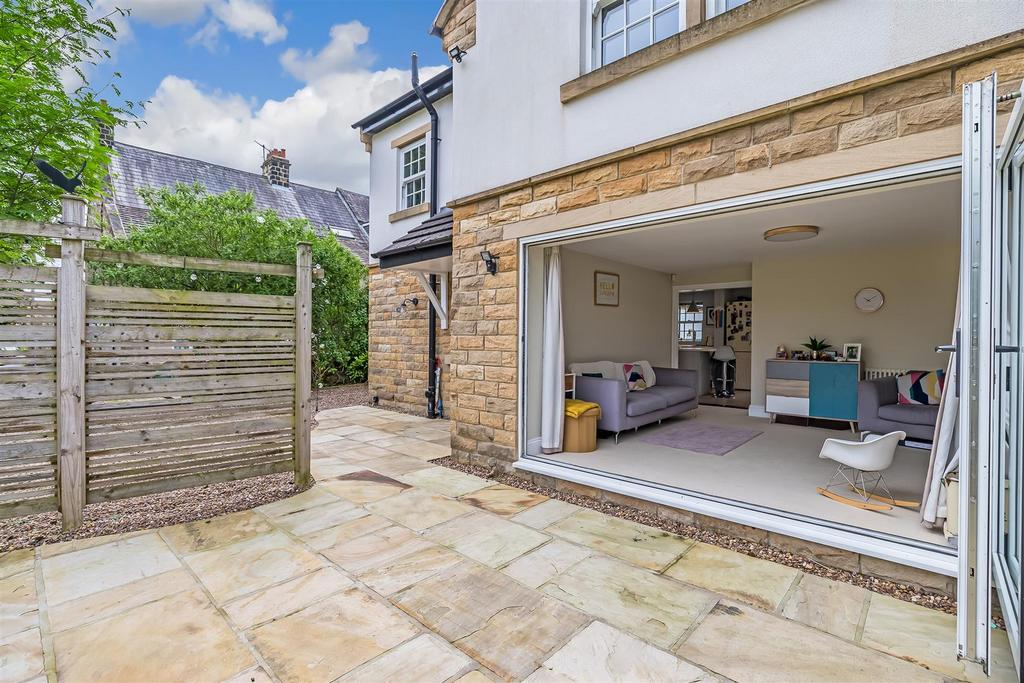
[834,390]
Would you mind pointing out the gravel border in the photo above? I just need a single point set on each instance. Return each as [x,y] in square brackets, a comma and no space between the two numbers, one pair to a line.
[148,512]
[894,589]
[341,396]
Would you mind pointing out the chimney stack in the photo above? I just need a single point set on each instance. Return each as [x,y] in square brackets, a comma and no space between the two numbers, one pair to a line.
[275,167]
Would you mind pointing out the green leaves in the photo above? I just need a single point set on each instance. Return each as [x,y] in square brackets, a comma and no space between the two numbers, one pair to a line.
[187,221]
[817,345]
[45,49]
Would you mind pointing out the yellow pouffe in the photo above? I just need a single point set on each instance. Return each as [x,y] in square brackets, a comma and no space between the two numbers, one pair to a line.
[580,434]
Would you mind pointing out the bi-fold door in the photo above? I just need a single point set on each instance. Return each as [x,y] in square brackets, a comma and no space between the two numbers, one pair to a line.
[991,375]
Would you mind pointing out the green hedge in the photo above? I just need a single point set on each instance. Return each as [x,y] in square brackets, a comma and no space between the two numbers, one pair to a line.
[187,221]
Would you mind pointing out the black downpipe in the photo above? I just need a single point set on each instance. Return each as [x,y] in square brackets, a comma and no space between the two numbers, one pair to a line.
[431,392]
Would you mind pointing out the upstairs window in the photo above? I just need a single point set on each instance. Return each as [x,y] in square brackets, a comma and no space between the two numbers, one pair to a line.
[716,7]
[625,26]
[691,325]
[413,172]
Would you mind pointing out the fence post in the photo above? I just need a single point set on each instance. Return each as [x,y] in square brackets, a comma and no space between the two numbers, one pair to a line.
[303,358]
[71,368]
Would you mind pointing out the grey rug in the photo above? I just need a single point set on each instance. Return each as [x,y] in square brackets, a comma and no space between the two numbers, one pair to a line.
[701,437]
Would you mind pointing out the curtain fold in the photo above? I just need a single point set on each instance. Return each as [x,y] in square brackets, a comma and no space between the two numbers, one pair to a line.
[944,456]
[553,366]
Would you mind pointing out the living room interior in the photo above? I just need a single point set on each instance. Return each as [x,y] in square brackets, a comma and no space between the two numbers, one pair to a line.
[737,301]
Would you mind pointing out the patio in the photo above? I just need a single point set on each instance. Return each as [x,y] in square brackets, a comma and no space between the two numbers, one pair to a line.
[394,569]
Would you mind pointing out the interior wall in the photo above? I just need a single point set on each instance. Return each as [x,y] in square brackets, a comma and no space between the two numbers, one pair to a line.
[637,329]
[799,297]
[712,276]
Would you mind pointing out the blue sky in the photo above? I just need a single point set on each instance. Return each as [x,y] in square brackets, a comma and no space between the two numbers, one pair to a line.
[293,74]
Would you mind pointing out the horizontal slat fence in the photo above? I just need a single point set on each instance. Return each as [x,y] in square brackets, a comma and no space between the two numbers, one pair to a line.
[185,388]
[28,389]
[112,392]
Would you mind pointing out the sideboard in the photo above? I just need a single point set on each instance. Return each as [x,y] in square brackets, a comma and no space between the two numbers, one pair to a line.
[825,390]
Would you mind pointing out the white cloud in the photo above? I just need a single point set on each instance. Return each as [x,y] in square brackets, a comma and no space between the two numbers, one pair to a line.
[342,52]
[313,123]
[248,19]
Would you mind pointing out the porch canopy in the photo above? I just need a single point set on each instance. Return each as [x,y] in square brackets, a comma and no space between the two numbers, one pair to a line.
[426,249]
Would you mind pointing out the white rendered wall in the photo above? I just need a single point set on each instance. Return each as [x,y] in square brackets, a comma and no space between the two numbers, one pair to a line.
[512,124]
[384,174]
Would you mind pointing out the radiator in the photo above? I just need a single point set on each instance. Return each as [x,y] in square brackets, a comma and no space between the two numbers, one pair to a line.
[875,373]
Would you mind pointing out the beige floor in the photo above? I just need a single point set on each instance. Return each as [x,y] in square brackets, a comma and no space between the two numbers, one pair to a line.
[779,469]
[394,569]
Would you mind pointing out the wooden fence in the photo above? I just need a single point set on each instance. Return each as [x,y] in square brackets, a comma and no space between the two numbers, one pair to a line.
[111,392]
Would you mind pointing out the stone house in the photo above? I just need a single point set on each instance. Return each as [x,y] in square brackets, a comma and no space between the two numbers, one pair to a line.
[741,174]
[343,213]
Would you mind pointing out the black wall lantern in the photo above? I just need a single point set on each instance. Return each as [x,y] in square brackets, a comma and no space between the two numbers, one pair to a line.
[490,261]
[456,53]
[402,306]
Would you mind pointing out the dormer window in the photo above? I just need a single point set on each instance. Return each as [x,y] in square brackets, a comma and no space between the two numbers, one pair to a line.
[413,174]
[623,27]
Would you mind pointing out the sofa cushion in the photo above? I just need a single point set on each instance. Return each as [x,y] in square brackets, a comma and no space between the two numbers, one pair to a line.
[910,413]
[633,373]
[673,394]
[921,388]
[643,402]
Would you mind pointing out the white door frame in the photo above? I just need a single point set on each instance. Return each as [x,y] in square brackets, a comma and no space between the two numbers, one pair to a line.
[935,560]
[974,375]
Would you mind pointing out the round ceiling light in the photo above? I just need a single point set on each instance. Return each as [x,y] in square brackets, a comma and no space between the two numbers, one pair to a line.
[791,233]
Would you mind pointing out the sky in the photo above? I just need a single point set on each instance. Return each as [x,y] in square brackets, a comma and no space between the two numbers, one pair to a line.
[219,75]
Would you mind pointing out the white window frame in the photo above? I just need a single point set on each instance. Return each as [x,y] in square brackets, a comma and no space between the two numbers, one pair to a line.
[344,233]
[712,8]
[593,32]
[697,324]
[424,174]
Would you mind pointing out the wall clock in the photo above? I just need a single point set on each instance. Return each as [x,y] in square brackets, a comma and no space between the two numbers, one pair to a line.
[868,300]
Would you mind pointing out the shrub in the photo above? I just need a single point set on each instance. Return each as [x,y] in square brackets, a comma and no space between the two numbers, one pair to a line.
[187,221]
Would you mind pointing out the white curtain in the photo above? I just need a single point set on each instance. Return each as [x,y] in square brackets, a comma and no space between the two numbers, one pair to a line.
[552,398]
[944,456]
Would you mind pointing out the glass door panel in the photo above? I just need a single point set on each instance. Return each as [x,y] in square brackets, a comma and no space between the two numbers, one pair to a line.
[1008,403]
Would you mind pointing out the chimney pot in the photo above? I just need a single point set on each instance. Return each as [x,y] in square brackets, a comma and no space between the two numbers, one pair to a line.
[276,167]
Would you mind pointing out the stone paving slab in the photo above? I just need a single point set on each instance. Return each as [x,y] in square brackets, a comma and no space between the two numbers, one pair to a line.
[602,653]
[657,609]
[179,638]
[641,545]
[746,644]
[392,568]
[749,579]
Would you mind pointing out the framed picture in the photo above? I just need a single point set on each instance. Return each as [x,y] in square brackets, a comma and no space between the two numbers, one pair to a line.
[606,289]
[851,352]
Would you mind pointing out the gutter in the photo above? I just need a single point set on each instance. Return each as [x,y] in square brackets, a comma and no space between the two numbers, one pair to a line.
[431,392]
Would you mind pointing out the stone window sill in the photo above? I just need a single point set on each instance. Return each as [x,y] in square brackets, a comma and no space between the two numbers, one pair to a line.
[740,19]
[411,211]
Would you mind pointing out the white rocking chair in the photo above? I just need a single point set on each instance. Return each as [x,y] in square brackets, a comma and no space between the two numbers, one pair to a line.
[860,465]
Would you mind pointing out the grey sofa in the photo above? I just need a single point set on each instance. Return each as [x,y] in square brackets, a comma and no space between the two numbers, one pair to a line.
[879,411]
[674,393]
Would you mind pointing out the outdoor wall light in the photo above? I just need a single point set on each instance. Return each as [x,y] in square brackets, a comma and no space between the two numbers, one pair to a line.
[490,261]
[400,308]
[456,53]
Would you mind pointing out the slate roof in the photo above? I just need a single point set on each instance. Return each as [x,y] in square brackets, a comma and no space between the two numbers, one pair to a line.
[434,231]
[134,167]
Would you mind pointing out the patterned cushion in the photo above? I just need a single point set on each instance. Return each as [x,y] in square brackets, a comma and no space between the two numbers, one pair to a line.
[921,388]
[634,373]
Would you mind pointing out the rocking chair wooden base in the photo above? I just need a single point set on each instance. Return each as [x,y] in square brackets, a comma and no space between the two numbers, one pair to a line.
[891,501]
[860,504]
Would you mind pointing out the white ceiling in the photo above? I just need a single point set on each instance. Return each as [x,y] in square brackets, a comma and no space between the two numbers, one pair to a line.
[899,216]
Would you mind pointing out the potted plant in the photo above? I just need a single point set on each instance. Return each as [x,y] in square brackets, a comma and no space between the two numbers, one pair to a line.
[816,346]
